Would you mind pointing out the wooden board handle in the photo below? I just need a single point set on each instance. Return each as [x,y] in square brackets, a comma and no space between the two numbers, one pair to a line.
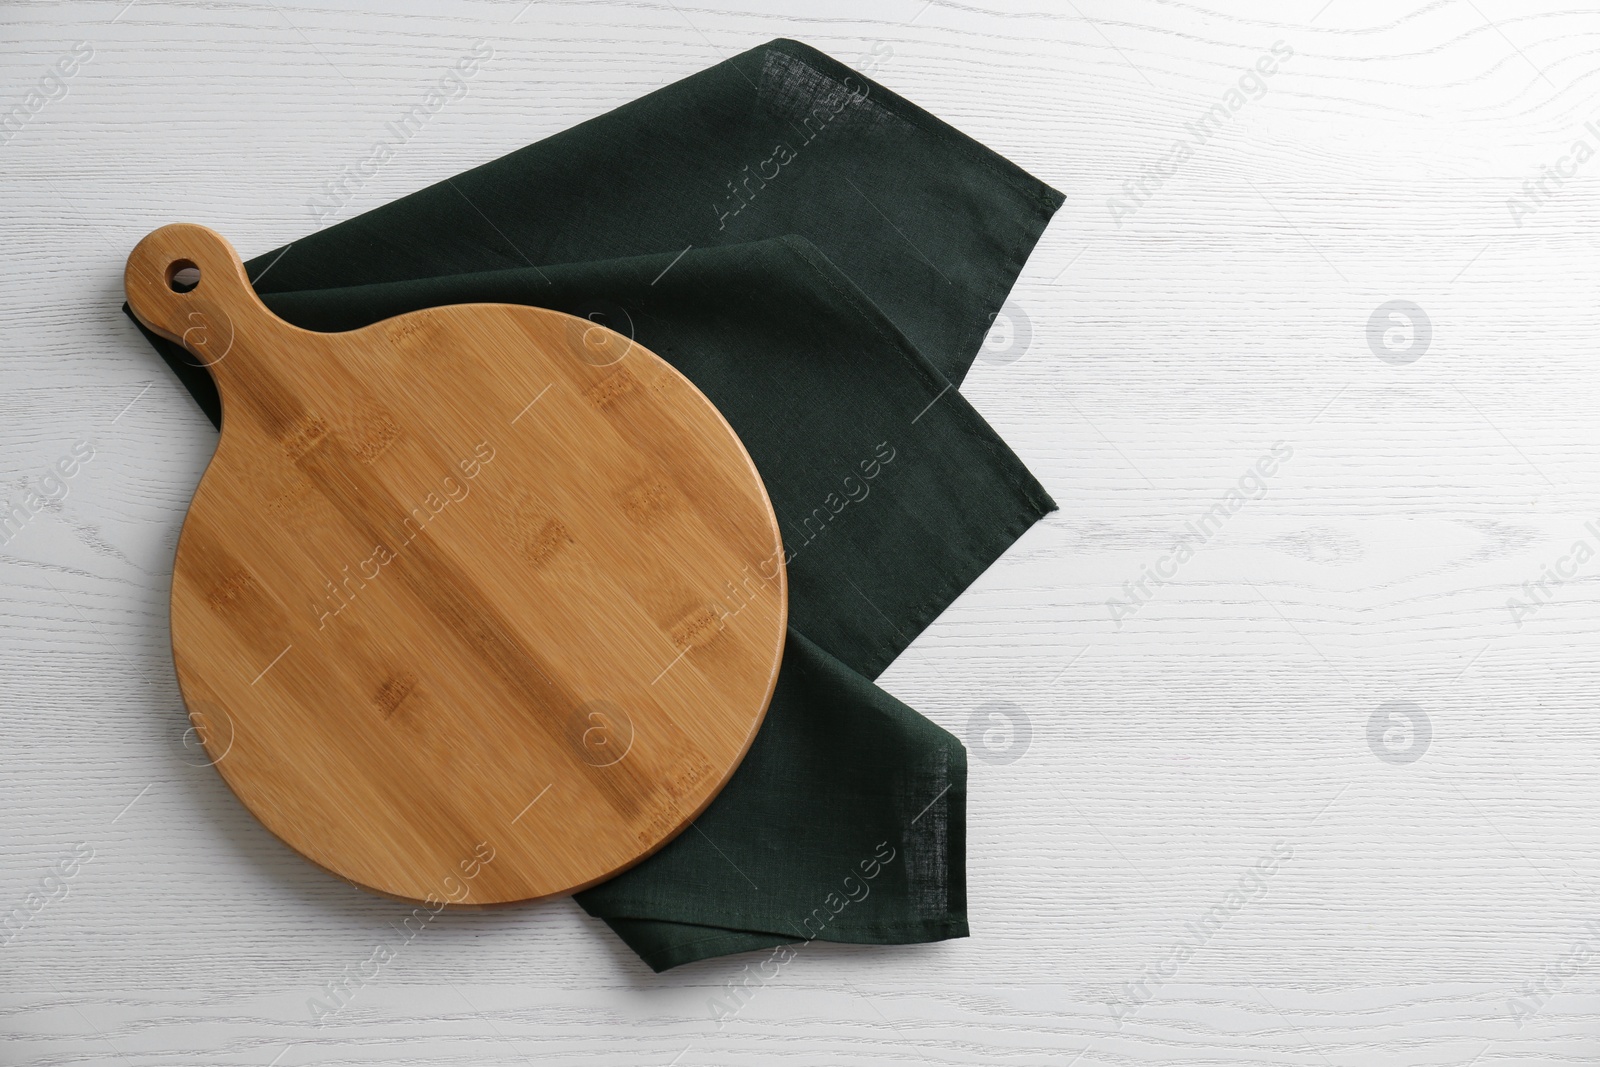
[207,314]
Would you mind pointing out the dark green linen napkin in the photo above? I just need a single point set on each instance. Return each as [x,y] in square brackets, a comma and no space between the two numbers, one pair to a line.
[823,259]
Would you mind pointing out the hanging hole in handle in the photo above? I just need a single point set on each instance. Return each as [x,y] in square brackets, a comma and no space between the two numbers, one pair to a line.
[183,276]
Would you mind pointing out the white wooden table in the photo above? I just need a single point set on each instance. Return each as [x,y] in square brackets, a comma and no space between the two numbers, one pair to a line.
[1333,691]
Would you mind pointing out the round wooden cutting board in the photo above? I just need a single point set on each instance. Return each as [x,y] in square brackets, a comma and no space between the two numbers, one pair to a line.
[474,605]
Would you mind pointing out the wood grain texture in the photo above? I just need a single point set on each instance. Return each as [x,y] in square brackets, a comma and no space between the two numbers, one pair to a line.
[454,565]
[1164,357]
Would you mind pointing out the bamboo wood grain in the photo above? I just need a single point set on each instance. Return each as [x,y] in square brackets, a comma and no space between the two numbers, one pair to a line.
[474,605]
